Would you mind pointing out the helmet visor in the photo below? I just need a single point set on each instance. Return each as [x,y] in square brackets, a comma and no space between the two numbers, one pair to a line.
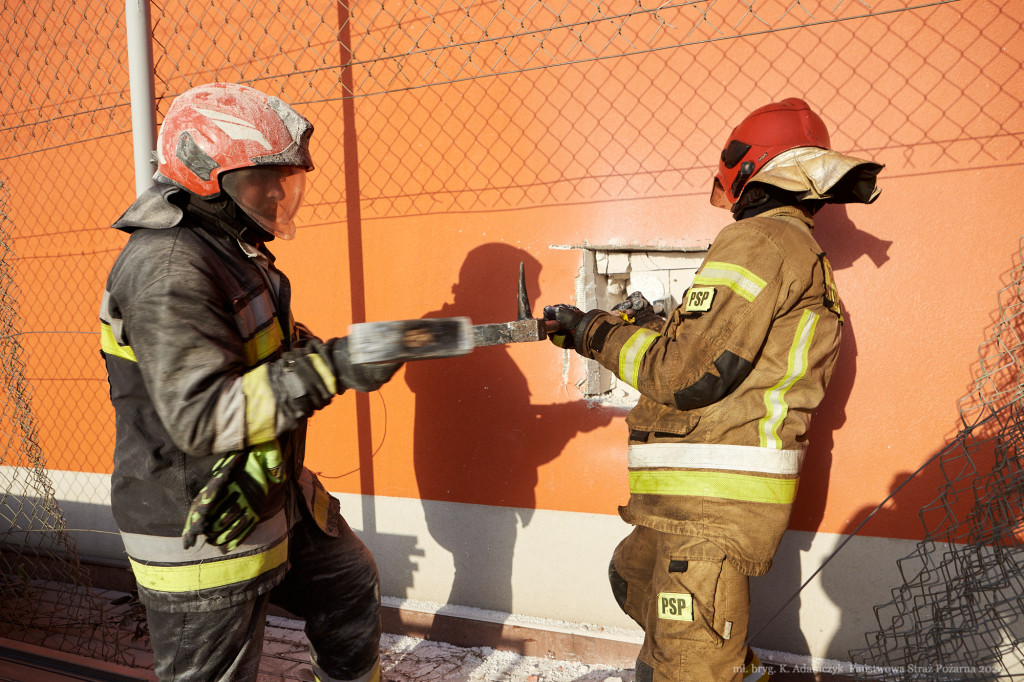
[270,195]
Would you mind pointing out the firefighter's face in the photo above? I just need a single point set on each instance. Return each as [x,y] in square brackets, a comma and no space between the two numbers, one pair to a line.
[271,195]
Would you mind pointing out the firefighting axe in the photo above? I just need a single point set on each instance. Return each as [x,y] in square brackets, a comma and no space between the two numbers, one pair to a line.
[445,337]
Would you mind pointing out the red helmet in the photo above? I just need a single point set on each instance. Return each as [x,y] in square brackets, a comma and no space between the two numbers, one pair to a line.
[761,136]
[219,127]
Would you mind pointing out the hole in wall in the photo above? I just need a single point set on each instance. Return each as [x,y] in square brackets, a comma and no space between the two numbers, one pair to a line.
[607,276]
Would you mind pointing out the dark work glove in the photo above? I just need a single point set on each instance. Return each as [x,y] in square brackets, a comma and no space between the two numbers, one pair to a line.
[365,378]
[636,309]
[568,317]
[229,506]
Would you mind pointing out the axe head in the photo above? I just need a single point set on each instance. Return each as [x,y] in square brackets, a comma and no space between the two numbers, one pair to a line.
[444,337]
[404,340]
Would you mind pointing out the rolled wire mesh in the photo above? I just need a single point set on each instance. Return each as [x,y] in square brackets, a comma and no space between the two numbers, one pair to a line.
[45,594]
[959,613]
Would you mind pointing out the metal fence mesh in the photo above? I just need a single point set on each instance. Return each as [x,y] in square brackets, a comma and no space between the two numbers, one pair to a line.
[623,100]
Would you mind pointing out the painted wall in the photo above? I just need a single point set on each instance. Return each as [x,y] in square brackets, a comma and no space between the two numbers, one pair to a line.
[488,481]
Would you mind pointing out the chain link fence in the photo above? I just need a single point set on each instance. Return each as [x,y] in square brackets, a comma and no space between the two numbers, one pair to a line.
[456,106]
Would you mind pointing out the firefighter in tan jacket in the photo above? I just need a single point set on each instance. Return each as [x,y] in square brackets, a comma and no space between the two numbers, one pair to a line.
[728,384]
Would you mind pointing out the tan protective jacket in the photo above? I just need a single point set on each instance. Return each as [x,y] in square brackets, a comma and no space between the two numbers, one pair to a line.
[728,387]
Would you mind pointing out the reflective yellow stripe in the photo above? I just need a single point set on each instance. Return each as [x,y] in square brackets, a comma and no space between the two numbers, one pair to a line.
[742,281]
[753,671]
[264,343]
[776,408]
[325,372]
[632,353]
[260,406]
[714,484]
[203,576]
[110,346]
[321,507]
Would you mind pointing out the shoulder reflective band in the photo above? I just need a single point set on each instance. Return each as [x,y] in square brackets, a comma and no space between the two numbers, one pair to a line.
[714,484]
[258,323]
[714,456]
[110,346]
[264,343]
[776,408]
[207,574]
[742,281]
[631,354]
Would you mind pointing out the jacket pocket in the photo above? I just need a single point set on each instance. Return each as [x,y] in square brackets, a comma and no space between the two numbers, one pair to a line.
[322,506]
[661,422]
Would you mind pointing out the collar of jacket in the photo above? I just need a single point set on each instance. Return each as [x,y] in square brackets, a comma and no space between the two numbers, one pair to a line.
[792,213]
[163,206]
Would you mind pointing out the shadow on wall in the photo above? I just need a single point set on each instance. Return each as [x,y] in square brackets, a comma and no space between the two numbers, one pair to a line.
[479,439]
[844,243]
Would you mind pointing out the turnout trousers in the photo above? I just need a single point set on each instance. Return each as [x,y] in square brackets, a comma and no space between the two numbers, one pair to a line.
[693,606]
[332,583]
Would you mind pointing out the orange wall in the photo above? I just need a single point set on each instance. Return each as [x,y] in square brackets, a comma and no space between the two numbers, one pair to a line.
[449,187]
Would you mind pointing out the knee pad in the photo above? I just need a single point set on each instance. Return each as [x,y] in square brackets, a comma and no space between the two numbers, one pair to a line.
[349,674]
[619,585]
[644,672]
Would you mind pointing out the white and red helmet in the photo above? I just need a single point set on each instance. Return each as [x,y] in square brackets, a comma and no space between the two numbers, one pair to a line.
[220,127]
[787,145]
[233,138]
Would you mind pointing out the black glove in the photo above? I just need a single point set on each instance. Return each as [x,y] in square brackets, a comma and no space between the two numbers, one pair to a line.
[636,309]
[568,317]
[365,378]
[241,487]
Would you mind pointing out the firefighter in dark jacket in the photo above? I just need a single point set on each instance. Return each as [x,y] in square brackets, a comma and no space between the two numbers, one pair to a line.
[728,385]
[212,382]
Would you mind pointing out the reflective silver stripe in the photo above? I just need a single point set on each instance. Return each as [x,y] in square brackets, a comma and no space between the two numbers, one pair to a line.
[714,456]
[229,416]
[255,314]
[116,323]
[170,550]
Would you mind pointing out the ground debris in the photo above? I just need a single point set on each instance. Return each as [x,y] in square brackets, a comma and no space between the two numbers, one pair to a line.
[406,659]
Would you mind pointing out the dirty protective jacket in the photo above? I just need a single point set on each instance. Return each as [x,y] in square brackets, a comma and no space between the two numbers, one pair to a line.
[728,385]
[200,347]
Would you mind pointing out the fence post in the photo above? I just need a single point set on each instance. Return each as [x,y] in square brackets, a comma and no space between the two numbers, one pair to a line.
[140,80]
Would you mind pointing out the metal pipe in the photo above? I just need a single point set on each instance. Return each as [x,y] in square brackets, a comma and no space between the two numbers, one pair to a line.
[140,82]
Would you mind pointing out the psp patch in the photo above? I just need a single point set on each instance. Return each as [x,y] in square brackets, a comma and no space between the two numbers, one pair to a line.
[675,606]
[698,299]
